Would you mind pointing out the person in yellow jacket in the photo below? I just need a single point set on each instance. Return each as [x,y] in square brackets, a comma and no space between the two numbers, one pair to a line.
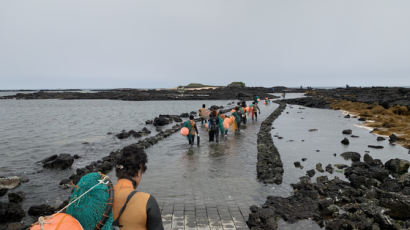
[132,209]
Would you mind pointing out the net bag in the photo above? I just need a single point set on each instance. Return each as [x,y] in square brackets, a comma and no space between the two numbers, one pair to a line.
[94,209]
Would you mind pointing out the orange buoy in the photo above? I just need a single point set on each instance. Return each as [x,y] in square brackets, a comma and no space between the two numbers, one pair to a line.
[59,221]
[184,131]
[226,124]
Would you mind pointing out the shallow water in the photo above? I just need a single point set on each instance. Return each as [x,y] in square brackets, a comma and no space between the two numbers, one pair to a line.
[222,173]
[321,145]
[32,130]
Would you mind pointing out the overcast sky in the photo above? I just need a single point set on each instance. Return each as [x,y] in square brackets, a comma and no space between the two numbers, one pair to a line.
[165,43]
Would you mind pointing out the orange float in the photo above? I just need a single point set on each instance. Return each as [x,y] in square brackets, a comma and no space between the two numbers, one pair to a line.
[226,124]
[59,221]
[184,131]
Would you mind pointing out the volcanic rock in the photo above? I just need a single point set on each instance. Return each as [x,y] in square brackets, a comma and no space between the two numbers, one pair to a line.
[379,138]
[41,210]
[375,146]
[347,131]
[393,138]
[161,121]
[11,212]
[397,166]
[310,173]
[319,167]
[9,182]
[297,164]
[345,141]
[62,161]
[16,197]
[329,168]
[351,156]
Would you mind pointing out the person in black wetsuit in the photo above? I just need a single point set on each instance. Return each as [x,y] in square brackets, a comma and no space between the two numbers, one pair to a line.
[213,126]
[141,211]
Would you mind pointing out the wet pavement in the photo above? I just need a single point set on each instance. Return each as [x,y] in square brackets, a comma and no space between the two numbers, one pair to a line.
[207,187]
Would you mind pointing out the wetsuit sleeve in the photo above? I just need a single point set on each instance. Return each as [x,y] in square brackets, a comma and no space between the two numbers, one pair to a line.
[196,129]
[154,220]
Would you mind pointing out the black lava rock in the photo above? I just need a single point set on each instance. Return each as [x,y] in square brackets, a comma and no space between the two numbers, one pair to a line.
[345,141]
[16,197]
[319,167]
[161,121]
[380,138]
[41,210]
[351,156]
[375,146]
[397,166]
[329,168]
[3,191]
[62,161]
[347,131]
[297,164]
[310,173]
[393,138]
[11,212]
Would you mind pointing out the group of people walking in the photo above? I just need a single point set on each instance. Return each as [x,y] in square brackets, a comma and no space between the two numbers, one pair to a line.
[217,123]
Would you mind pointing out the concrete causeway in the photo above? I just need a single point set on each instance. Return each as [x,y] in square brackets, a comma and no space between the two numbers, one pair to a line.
[207,187]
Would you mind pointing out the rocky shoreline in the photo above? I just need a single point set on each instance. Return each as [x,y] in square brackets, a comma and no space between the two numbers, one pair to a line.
[377,196]
[269,166]
[384,96]
[222,93]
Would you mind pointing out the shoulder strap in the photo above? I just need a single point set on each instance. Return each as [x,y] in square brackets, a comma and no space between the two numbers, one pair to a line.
[117,221]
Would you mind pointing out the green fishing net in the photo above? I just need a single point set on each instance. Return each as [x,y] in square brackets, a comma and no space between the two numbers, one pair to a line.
[94,209]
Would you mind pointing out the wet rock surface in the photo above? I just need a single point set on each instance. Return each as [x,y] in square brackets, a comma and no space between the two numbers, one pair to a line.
[11,212]
[345,141]
[16,197]
[124,134]
[41,210]
[61,161]
[375,146]
[347,131]
[372,198]
[269,166]
[9,183]
[354,156]
[3,191]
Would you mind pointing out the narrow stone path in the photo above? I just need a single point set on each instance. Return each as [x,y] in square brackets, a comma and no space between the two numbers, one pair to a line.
[207,187]
[210,216]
